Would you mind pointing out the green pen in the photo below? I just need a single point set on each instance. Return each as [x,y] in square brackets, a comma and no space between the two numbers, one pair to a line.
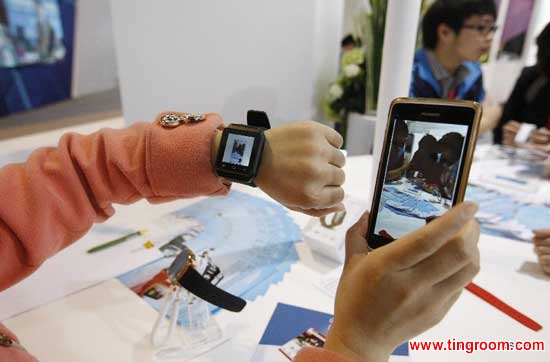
[115,241]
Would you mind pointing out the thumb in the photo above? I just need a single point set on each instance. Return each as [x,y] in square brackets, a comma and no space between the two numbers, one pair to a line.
[356,243]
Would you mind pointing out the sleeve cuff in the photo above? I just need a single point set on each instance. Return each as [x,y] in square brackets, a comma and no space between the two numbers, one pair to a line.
[179,159]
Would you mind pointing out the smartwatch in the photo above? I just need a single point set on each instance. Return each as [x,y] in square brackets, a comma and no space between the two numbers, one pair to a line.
[240,153]
[241,146]
[182,272]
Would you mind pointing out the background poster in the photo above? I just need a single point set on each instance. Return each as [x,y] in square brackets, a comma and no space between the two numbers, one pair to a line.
[36,44]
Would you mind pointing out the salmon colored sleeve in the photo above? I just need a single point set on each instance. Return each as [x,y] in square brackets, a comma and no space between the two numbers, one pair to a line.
[54,198]
[313,354]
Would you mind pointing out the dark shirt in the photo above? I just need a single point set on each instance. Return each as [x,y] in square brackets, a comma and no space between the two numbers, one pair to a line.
[528,103]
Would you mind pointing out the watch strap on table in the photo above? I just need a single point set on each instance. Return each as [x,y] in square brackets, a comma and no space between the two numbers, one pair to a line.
[193,281]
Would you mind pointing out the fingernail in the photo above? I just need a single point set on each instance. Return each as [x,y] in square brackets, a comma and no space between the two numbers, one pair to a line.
[470,208]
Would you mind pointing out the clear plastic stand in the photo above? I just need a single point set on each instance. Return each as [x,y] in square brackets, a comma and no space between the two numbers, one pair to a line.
[184,328]
[197,333]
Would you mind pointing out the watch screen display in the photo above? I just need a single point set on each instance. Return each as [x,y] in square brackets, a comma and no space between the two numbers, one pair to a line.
[238,149]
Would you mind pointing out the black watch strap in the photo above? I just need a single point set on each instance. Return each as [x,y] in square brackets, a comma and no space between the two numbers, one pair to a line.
[202,288]
[257,119]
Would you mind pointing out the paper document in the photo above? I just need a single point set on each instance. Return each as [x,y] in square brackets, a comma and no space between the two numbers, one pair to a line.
[253,244]
[292,328]
[74,269]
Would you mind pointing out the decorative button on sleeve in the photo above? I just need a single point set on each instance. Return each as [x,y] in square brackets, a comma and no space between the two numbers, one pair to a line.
[171,120]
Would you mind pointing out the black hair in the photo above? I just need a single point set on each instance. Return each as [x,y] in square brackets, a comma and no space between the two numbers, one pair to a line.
[453,141]
[3,17]
[428,141]
[350,40]
[543,52]
[401,131]
[453,13]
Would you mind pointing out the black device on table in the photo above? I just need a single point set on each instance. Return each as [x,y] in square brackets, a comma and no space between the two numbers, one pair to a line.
[182,272]
[424,166]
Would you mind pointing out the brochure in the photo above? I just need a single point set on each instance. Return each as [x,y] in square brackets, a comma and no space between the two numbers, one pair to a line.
[291,328]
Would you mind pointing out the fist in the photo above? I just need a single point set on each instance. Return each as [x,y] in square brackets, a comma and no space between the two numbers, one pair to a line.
[302,167]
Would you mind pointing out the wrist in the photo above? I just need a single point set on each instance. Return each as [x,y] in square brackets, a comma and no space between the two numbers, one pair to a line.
[356,348]
[262,177]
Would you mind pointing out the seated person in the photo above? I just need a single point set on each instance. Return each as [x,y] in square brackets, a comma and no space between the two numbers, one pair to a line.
[397,163]
[437,162]
[539,139]
[451,148]
[529,100]
[423,164]
[455,35]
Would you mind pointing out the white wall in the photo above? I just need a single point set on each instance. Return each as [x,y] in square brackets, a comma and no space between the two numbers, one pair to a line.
[94,63]
[326,56]
[350,6]
[500,75]
[225,56]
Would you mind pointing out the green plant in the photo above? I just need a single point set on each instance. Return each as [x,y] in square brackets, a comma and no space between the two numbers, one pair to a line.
[359,93]
[347,93]
[373,30]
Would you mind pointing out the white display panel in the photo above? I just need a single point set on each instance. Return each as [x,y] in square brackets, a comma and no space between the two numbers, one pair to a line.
[226,57]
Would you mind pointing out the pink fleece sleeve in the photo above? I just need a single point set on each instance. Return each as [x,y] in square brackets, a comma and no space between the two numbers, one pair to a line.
[53,198]
[312,354]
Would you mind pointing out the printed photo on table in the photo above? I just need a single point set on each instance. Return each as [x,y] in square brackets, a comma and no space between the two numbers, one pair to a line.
[309,338]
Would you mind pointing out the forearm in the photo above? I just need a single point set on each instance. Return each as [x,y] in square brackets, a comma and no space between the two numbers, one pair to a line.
[53,198]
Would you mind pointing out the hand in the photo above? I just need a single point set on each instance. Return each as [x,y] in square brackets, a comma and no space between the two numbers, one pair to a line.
[302,167]
[541,136]
[542,248]
[509,132]
[540,139]
[539,147]
[400,290]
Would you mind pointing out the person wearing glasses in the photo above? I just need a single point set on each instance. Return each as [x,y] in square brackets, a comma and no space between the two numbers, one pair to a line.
[455,35]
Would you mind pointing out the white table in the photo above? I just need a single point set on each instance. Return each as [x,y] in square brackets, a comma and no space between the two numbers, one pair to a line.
[107,322]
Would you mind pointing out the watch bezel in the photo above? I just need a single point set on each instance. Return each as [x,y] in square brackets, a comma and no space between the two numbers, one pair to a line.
[186,256]
[236,172]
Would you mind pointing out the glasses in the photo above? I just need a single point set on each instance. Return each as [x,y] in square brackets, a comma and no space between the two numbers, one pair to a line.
[482,29]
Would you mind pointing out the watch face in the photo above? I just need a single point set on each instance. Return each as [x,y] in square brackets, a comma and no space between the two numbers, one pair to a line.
[184,258]
[240,149]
